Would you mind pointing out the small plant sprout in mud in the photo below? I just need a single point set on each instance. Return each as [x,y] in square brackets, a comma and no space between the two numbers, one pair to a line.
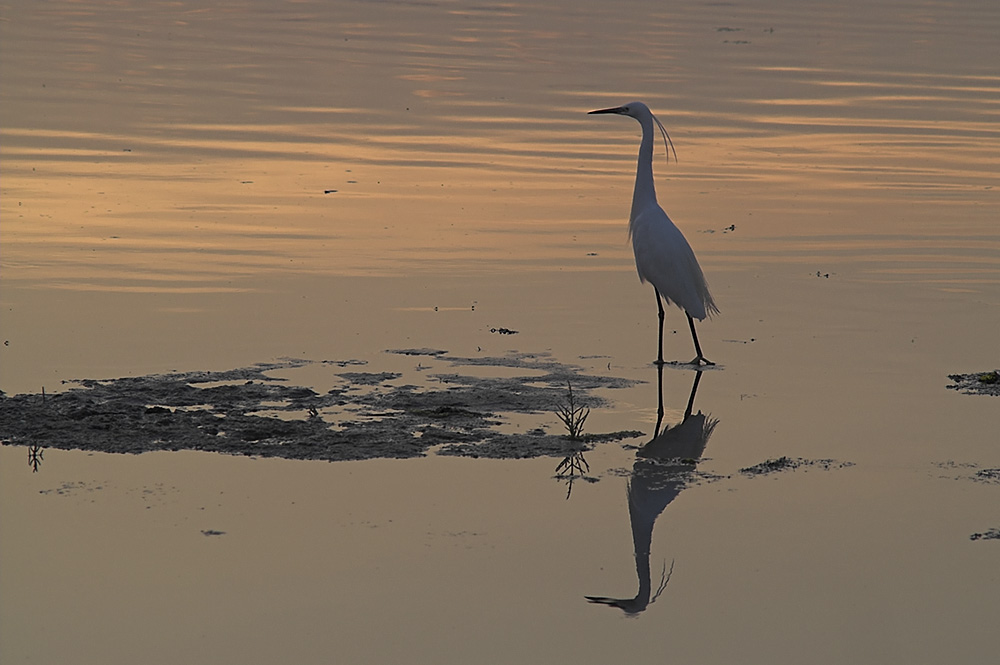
[572,415]
[573,465]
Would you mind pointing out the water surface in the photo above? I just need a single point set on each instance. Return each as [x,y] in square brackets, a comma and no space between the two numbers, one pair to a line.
[187,187]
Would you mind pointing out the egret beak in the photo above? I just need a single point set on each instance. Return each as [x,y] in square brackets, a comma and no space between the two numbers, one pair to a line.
[616,109]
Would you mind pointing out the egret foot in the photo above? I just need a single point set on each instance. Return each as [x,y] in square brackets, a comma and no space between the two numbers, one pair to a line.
[701,360]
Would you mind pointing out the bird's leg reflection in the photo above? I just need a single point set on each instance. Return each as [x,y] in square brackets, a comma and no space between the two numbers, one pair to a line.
[659,401]
[663,467]
[694,391]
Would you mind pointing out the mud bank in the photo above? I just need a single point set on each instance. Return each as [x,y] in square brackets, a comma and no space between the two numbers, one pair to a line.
[249,411]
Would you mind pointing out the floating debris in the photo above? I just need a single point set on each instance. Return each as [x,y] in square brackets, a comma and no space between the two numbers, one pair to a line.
[417,352]
[991,476]
[992,534]
[789,463]
[969,471]
[977,383]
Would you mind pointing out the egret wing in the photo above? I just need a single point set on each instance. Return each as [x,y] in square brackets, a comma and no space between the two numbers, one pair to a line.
[664,258]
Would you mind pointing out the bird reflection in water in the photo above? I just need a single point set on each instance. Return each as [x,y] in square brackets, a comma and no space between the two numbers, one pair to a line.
[662,469]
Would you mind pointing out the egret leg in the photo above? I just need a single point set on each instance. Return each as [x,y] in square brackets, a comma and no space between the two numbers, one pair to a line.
[659,305]
[699,359]
[659,392]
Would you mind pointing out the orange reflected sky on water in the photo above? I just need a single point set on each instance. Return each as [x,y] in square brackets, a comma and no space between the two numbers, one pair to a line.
[162,152]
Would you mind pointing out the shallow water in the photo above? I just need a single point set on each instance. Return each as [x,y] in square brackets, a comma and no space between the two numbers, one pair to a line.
[166,204]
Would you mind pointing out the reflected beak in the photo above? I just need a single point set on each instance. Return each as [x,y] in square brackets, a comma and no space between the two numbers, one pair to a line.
[616,109]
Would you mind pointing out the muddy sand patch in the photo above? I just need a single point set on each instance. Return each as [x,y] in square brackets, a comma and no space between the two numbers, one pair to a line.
[248,411]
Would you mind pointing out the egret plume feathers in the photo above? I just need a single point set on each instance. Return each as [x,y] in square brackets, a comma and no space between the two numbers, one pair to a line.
[666,138]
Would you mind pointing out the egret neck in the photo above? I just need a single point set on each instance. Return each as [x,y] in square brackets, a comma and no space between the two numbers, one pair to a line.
[644,195]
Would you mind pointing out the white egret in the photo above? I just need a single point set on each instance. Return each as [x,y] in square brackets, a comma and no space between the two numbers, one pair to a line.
[663,256]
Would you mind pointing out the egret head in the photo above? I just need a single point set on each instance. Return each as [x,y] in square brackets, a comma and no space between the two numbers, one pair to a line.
[634,109]
[641,112]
